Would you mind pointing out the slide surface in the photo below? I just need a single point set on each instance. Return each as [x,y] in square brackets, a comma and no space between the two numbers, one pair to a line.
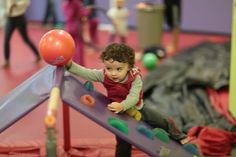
[72,89]
[26,97]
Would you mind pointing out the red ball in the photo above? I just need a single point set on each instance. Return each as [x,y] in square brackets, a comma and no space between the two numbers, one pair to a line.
[57,47]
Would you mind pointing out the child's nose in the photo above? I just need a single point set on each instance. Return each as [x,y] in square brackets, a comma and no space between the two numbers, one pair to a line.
[113,72]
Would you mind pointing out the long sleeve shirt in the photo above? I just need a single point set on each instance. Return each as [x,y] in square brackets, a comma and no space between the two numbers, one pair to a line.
[119,17]
[16,7]
[97,75]
[73,11]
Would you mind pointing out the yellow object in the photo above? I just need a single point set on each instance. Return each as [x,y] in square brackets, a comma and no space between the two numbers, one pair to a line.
[232,83]
[50,120]
[54,99]
[134,113]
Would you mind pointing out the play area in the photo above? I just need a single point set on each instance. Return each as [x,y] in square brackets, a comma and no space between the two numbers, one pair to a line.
[63,100]
[57,47]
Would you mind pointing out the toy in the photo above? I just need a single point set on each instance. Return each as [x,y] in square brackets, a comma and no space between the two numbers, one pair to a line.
[89,86]
[162,135]
[57,47]
[145,131]
[119,124]
[87,100]
[149,61]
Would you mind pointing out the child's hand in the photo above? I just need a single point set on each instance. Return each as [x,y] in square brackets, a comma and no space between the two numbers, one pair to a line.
[115,107]
[115,22]
[68,64]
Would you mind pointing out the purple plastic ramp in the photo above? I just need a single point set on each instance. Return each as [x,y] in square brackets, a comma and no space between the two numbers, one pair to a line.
[26,97]
[72,90]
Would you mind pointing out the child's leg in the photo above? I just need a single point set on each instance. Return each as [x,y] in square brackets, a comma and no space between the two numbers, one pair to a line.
[123,148]
[152,116]
[112,37]
[173,18]
[22,27]
[79,51]
[93,26]
[123,39]
[9,28]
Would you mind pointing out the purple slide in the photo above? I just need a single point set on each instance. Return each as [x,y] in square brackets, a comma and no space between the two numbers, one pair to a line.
[73,89]
[36,90]
[25,97]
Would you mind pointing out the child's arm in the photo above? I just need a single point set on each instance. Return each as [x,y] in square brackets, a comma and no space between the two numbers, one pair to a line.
[126,13]
[112,15]
[23,3]
[86,73]
[134,94]
[20,5]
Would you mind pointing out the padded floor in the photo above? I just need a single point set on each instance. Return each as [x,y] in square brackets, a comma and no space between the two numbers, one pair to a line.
[27,136]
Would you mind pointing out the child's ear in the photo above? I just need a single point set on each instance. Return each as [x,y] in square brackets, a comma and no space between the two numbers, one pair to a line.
[130,67]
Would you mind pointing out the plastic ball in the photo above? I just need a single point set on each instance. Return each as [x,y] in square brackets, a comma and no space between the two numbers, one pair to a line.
[57,47]
[149,61]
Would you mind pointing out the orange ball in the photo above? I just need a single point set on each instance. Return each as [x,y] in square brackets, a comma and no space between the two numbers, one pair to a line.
[57,47]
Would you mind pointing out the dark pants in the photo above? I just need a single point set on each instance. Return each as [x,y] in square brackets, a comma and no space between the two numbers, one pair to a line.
[12,23]
[155,119]
[123,148]
[93,29]
[112,38]
[50,13]
[172,13]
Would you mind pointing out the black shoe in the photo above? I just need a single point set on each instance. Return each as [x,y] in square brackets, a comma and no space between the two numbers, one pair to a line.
[38,59]
[6,65]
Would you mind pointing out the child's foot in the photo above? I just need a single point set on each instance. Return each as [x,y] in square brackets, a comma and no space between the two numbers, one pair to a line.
[170,49]
[46,26]
[6,65]
[187,140]
[38,59]
[138,116]
[58,25]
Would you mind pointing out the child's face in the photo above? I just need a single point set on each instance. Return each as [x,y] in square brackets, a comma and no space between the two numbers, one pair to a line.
[116,71]
[120,3]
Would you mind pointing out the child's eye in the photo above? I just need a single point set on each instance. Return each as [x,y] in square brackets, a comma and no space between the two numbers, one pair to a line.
[108,68]
[119,69]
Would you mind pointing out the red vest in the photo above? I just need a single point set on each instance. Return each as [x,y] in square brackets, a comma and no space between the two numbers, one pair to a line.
[118,91]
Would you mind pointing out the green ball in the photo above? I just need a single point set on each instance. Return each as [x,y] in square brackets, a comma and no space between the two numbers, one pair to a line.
[149,61]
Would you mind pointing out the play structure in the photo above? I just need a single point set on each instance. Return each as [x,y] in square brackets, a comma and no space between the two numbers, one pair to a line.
[53,83]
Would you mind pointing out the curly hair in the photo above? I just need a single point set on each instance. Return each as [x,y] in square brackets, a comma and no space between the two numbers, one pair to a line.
[119,52]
